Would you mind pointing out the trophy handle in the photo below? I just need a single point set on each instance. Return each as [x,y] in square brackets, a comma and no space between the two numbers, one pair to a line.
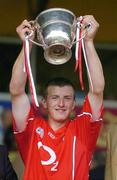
[36,26]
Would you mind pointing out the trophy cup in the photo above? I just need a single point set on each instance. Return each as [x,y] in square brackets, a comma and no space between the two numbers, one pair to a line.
[56,33]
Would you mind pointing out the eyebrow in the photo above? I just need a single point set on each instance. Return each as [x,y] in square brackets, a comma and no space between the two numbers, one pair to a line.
[63,96]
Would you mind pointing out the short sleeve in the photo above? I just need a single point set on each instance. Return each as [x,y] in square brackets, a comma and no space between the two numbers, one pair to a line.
[23,138]
[87,129]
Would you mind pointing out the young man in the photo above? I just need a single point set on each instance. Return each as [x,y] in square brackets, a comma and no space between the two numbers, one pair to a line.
[6,170]
[58,148]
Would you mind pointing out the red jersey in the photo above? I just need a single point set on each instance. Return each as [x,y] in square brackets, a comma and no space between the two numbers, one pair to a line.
[64,154]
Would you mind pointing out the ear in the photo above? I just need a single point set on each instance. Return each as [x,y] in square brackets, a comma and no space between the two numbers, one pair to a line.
[74,104]
[43,101]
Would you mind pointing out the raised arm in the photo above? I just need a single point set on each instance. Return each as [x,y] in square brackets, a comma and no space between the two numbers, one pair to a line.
[20,101]
[96,94]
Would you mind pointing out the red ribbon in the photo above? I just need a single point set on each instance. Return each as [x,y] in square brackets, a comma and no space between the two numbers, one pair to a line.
[78,65]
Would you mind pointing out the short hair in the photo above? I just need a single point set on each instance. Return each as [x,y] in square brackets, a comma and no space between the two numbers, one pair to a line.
[58,81]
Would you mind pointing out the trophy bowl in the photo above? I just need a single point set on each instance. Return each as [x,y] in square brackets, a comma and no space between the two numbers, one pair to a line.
[56,31]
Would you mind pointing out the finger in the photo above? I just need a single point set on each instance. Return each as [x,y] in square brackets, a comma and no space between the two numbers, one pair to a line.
[26,23]
[89,19]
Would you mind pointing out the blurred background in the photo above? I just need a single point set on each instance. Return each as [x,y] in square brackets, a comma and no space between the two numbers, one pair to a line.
[12,13]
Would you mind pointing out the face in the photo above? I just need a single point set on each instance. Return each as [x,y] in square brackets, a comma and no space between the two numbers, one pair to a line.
[59,102]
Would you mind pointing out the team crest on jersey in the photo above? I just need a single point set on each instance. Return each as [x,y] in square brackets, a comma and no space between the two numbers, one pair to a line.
[40,131]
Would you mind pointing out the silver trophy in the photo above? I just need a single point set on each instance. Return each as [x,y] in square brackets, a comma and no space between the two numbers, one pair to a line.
[56,33]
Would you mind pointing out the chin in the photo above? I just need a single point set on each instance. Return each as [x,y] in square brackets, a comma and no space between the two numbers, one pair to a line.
[61,119]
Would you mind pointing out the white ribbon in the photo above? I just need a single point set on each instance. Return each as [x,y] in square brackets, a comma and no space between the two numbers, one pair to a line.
[29,72]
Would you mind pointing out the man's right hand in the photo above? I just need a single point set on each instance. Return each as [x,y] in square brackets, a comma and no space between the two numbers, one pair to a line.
[25,28]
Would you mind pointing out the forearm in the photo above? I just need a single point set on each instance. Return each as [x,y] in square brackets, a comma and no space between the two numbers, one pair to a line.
[19,77]
[95,68]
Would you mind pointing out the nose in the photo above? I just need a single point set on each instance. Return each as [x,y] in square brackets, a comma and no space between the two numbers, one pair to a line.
[61,102]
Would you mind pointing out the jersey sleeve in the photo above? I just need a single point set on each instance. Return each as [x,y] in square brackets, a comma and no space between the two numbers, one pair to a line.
[87,129]
[23,138]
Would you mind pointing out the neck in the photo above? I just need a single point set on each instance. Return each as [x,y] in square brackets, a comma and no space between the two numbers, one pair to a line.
[56,125]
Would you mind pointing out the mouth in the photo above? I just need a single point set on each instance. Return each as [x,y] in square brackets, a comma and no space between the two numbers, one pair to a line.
[61,110]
